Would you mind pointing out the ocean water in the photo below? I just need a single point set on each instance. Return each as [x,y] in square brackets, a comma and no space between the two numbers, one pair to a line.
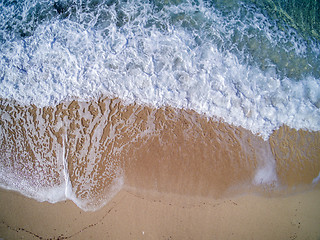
[253,64]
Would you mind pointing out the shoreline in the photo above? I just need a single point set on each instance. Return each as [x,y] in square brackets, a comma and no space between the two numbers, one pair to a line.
[145,215]
[201,178]
[93,148]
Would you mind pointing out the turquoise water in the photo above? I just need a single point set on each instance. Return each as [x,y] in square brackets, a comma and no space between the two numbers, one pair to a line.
[251,63]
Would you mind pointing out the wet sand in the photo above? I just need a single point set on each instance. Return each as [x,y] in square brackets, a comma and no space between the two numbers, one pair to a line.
[143,215]
[167,174]
[97,146]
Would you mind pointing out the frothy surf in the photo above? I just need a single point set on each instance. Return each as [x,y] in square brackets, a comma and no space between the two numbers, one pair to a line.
[237,66]
[88,151]
[233,64]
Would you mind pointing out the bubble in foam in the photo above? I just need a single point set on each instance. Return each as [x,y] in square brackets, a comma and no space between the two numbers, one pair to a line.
[51,154]
[236,66]
[265,175]
[316,179]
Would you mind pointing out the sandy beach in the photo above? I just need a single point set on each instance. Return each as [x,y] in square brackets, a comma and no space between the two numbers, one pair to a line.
[160,119]
[145,215]
[166,174]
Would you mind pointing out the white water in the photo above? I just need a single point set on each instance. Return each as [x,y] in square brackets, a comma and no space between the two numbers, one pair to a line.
[238,67]
[177,66]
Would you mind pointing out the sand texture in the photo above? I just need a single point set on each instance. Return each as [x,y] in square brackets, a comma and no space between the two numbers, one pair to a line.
[137,215]
[97,146]
[164,173]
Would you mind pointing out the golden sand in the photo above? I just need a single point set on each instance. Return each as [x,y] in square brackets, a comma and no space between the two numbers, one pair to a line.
[182,174]
[297,154]
[143,215]
[166,150]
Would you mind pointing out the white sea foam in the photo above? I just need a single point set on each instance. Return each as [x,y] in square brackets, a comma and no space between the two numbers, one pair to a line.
[316,179]
[65,59]
[94,204]
[14,182]
[177,67]
[266,165]
[53,194]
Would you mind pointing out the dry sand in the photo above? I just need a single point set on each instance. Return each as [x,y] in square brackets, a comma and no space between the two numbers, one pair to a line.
[192,170]
[137,215]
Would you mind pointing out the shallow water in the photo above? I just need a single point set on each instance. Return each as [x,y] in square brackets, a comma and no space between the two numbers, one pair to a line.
[88,151]
[228,61]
